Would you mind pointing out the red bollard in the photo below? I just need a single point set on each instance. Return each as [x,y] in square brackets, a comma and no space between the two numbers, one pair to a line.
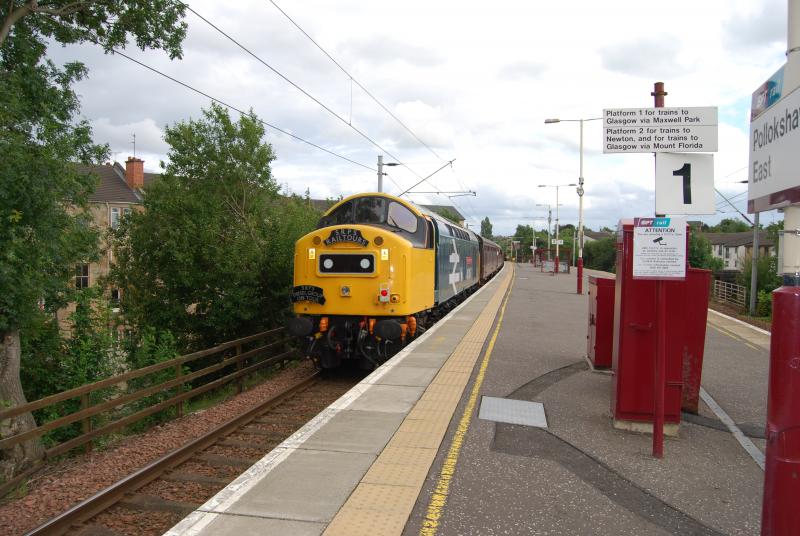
[780,513]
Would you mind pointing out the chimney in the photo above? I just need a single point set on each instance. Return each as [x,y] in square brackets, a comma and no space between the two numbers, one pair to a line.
[134,172]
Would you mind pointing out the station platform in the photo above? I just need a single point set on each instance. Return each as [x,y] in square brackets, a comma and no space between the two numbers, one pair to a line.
[430,443]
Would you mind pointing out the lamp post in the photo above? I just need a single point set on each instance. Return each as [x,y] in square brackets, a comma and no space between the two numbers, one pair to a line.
[556,186]
[549,223]
[380,170]
[580,197]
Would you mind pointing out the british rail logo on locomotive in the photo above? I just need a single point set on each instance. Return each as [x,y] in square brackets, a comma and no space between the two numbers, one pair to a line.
[346,235]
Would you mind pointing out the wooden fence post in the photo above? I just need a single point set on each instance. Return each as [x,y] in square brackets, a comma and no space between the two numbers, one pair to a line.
[179,388]
[240,380]
[86,424]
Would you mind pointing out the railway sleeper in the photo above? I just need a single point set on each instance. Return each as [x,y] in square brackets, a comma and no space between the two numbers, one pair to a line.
[198,479]
[96,530]
[225,461]
[270,435]
[283,421]
[152,503]
[241,444]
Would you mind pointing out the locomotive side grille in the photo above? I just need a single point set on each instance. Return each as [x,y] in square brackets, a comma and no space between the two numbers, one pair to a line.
[343,263]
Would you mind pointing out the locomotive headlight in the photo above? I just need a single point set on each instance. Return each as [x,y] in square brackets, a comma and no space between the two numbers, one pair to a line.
[327,263]
[312,253]
[317,240]
[385,254]
[378,240]
[365,264]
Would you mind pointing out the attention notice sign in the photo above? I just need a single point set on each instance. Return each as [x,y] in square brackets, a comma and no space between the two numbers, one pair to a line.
[659,248]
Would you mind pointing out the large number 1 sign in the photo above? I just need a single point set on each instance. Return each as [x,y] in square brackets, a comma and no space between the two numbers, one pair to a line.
[694,194]
[686,172]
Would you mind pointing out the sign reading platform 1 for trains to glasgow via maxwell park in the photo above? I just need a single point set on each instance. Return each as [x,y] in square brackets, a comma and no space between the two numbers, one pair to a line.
[658,130]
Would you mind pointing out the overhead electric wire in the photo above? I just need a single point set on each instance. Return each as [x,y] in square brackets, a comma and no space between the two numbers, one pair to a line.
[303,91]
[378,102]
[223,103]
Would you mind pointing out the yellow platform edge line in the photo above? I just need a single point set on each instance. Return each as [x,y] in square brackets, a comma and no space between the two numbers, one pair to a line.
[355,519]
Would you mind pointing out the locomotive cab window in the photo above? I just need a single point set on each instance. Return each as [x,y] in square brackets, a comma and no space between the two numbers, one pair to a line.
[380,211]
[399,216]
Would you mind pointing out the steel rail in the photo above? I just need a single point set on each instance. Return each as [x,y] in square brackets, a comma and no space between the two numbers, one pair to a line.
[106,498]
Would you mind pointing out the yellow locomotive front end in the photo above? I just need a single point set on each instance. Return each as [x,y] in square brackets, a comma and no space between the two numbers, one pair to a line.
[361,280]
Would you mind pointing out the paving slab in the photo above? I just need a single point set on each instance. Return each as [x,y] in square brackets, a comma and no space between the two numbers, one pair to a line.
[356,431]
[310,485]
[388,398]
[255,526]
[410,376]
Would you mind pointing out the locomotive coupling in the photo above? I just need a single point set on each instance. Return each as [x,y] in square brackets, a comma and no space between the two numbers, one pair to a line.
[388,329]
[300,326]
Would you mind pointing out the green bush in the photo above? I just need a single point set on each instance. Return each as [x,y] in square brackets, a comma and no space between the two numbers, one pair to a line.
[764,305]
[52,363]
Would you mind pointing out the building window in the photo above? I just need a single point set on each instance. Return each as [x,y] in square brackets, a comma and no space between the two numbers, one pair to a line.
[82,276]
[114,217]
[727,253]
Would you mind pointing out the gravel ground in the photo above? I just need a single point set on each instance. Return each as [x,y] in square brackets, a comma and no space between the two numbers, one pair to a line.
[68,482]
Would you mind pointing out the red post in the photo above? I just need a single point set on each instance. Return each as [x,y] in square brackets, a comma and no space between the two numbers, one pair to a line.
[780,515]
[659,386]
[580,275]
[660,370]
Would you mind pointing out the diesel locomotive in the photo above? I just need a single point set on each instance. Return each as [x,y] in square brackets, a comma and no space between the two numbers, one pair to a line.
[376,272]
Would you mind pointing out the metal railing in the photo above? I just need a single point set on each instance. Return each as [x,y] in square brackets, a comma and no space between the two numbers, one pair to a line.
[228,362]
[730,293]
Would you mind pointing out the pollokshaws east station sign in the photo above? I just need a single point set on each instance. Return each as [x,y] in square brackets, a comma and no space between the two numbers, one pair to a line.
[656,130]
[773,176]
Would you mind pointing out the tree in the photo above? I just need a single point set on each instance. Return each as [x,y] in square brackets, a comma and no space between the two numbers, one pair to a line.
[209,259]
[601,254]
[525,235]
[486,228]
[44,230]
[447,214]
[700,255]
[730,225]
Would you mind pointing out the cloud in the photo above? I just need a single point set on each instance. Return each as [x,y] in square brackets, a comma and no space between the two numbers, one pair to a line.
[654,57]
[522,69]
[757,25]
[383,49]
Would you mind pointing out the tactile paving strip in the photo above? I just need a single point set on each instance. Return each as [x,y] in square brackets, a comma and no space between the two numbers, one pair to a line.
[383,500]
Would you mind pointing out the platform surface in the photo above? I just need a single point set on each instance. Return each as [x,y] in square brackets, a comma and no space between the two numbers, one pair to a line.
[406,451]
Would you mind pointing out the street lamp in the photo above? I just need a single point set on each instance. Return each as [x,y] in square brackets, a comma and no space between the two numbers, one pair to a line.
[381,174]
[580,196]
[556,186]
[549,224]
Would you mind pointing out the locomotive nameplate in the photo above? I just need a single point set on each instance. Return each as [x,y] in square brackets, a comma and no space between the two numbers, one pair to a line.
[352,236]
[308,293]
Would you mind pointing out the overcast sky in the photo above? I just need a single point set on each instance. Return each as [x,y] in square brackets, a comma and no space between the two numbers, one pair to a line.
[473,80]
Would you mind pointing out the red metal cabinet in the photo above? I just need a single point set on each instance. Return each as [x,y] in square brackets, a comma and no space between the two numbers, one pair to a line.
[600,337]
[696,289]
[635,337]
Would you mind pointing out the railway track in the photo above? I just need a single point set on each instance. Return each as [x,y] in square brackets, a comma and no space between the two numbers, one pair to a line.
[157,496]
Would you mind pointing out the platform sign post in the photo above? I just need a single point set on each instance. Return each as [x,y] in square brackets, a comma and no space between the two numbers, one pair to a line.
[684,185]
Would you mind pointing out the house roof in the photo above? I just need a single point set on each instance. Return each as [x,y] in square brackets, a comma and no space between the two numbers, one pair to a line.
[597,235]
[112,187]
[744,238]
